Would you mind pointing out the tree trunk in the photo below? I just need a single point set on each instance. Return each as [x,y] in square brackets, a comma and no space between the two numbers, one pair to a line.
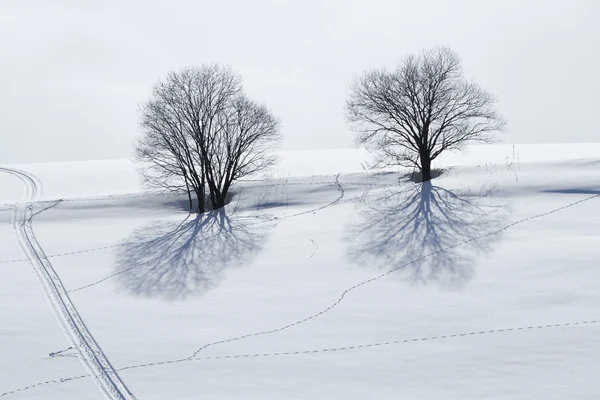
[189,193]
[201,205]
[200,195]
[187,188]
[425,166]
[200,198]
[214,200]
[220,200]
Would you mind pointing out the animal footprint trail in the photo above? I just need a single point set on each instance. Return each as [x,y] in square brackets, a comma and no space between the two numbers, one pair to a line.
[315,250]
[414,340]
[68,352]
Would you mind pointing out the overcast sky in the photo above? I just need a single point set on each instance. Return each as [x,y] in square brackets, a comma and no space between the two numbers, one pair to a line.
[73,72]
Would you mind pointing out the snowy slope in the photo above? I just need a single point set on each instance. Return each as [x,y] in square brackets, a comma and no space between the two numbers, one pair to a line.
[330,283]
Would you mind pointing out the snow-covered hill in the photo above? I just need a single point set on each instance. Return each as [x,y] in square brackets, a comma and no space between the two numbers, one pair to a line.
[326,281]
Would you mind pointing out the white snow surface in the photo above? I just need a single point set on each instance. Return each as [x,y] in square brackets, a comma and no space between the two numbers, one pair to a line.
[325,281]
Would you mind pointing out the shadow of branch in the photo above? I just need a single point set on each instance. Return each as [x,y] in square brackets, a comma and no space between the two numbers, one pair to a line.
[435,233]
[174,260]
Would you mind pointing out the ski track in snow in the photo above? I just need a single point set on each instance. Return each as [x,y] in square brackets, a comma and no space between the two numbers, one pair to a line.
[339,300]
[92,357]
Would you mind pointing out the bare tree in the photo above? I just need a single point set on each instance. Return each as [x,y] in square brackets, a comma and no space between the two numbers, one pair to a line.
[166,148]
[199,130]
[413,114]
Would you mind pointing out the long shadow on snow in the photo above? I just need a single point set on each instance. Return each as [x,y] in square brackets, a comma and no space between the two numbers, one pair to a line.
[429,230]
[176,260]
[580,190]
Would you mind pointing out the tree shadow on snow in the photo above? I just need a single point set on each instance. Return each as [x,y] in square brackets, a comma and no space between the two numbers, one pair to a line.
[174,260]
[429,233]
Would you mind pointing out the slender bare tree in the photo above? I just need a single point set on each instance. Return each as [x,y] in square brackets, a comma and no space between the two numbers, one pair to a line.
[410,116]
[200,130]
[170,160]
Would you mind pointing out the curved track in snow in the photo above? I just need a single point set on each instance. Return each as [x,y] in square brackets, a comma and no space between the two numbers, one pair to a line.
[89,352]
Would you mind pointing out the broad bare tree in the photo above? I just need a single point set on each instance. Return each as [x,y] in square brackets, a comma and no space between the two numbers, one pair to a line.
[199,130]
[410,116]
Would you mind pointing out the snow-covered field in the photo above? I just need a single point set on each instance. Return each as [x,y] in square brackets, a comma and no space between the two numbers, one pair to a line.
[325,282]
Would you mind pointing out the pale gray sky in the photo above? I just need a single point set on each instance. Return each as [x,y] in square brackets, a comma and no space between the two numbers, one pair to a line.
[72,72]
